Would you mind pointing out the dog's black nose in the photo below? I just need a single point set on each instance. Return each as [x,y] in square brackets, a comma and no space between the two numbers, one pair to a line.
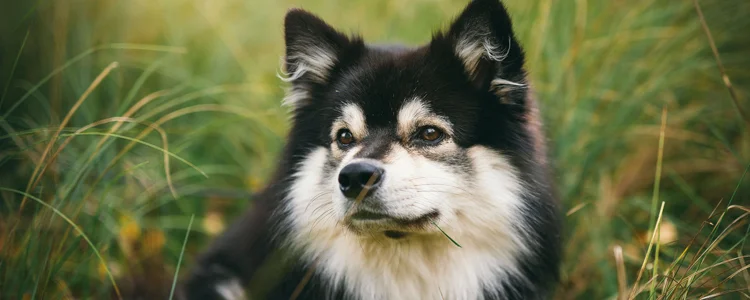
[355,177]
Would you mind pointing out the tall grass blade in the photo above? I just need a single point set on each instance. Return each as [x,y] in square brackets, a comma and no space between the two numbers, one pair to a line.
[179,260]
[717,57]
[655,198]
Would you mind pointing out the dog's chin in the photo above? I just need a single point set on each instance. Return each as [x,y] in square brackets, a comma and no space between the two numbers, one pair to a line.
[373,224]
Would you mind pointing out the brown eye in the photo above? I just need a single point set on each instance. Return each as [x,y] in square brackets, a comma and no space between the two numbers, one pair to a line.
[344,137]
[430,134]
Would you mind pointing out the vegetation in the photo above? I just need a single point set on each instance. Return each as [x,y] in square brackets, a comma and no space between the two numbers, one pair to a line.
[130,127]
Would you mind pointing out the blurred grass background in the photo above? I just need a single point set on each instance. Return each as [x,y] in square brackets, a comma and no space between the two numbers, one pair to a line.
[187,122]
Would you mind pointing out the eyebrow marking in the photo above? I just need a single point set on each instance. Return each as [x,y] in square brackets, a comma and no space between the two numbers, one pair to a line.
[352,118]
[415,113]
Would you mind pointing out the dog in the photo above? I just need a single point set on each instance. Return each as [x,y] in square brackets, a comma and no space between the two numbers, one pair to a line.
[408,173]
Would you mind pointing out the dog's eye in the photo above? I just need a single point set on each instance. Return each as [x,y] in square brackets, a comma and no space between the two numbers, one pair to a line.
[344,137]
[430,134]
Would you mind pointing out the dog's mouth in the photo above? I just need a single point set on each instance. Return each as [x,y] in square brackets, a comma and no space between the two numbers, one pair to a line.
[395,234]
[393,227]
[368,216]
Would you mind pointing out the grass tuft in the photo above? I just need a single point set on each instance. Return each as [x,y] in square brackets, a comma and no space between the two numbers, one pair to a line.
[77,229]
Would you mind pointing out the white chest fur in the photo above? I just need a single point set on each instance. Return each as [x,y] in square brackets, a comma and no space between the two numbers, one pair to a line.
[429,268]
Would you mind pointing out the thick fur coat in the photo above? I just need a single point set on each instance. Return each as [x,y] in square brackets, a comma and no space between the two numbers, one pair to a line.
[392,151]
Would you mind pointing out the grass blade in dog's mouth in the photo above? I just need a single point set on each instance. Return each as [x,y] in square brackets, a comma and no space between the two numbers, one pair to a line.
[446,235]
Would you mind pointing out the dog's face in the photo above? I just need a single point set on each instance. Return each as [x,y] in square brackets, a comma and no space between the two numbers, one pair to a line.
[397,143]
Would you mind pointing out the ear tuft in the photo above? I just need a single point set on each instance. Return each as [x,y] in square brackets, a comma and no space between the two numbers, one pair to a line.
[483,40]
[313,48]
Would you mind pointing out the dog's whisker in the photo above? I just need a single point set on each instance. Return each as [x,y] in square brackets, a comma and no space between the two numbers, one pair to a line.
[327,214]
[316,197]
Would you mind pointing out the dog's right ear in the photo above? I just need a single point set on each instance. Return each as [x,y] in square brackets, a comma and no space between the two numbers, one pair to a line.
[482,38]
[313,48]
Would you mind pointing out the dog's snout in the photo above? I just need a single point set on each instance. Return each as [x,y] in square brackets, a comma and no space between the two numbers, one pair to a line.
[355,177]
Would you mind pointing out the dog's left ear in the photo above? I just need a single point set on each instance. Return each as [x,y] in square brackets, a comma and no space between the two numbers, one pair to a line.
[313,50]
[482,39]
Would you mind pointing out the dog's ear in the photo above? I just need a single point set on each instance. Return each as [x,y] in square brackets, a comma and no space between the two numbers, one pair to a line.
[482,39]
[313,48]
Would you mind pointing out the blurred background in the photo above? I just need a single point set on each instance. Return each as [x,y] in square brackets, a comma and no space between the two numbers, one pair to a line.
[132,132]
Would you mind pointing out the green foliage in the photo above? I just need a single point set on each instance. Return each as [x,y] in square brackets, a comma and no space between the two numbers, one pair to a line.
[120,120]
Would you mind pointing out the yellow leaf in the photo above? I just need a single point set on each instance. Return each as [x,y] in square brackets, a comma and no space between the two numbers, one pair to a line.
[153,242]
[667,233]
[129,229]
[213,223]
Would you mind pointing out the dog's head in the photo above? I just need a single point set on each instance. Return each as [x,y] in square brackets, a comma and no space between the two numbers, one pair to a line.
[396,142]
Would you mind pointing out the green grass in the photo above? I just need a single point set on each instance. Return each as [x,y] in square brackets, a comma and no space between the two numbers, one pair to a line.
[106,172]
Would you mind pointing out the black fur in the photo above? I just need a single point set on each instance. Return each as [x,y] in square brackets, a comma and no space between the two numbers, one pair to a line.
[379,79]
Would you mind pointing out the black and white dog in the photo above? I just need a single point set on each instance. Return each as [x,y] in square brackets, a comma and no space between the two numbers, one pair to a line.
[394,151]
